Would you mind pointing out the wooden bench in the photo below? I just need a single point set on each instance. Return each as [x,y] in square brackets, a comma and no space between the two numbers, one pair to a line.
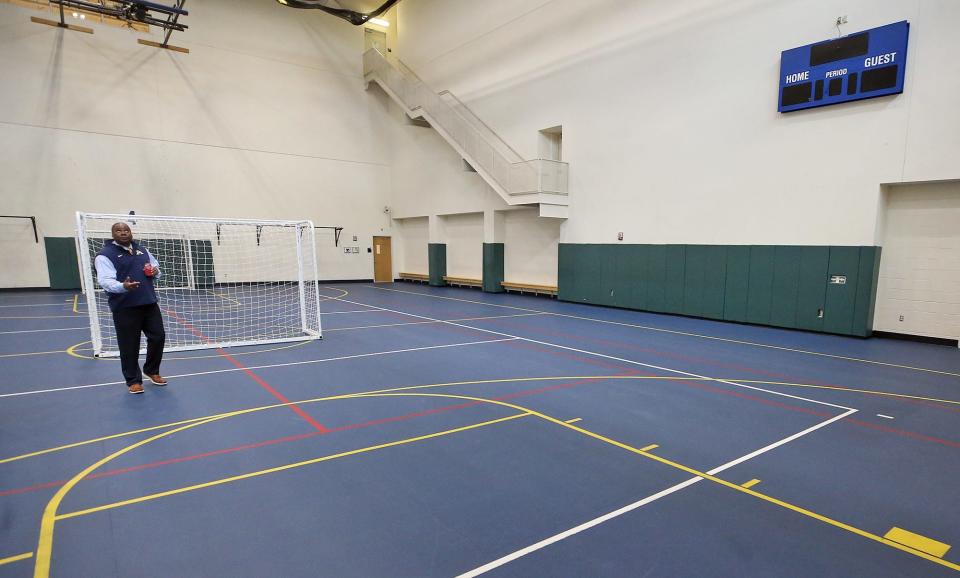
[529,288]
[419,277]
[463,281]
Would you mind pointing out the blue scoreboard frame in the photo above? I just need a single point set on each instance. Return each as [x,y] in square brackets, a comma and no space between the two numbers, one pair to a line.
[862,65]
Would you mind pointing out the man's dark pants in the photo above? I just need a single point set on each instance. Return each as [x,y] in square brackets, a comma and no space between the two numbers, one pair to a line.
[129,322]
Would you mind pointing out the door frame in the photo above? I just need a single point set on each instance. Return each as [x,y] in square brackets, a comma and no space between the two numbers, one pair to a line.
[389,257]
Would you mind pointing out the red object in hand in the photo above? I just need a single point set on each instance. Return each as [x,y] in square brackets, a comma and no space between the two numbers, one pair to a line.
[148,270]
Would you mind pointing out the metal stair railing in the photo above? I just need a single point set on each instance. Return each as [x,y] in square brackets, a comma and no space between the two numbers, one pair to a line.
[506,171]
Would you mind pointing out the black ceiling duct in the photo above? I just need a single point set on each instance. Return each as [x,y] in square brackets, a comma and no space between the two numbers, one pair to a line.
[352,16]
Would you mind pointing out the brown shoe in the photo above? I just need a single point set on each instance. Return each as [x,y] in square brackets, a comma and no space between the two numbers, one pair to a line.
[135,388]
[156,379]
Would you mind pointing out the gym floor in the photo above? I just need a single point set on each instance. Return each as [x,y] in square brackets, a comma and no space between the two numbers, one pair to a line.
[446,432]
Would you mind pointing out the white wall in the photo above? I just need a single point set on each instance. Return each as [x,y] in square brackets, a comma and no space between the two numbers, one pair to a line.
[530,248]
[464,239]
[669,110]
[920,261]
[267,117]
[410,247]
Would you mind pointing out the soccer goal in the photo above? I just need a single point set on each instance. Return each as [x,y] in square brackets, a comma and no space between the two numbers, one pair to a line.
[223,282]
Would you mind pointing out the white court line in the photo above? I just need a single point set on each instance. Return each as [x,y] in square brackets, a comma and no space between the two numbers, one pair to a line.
[42,330]
[630,507]
[354,311]
[675,332]
[884,416]
[595,354]
[429,322]
[231,370]
[647,500]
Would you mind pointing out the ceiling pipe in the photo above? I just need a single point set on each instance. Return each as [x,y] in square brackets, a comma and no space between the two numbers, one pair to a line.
[351,16]
[135,10]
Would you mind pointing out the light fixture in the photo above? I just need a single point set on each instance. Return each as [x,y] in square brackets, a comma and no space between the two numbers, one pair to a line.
[379,22]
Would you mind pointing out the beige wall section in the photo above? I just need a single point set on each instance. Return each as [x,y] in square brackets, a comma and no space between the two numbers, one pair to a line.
[464,239]
[920,261]
[243,126]
[669,111]
[530,248]
[410,246]
[21,258]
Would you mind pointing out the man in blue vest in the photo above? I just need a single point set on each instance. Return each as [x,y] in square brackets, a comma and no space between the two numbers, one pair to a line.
[133,303]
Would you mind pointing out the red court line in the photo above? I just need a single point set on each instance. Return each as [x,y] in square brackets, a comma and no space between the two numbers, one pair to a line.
[901,432]
[625,345]
[360,425]
[283,399]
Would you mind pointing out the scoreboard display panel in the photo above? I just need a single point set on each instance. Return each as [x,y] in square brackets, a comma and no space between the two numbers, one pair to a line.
[853,67]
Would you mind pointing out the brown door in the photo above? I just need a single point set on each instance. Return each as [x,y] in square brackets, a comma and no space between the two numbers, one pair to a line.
[382,261]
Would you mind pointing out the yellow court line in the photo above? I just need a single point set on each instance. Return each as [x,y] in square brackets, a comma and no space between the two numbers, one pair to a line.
[40,317]
[649,447]
[647,327]
[75,296]
[224,297]
[917,542]
[849,389]
[429,386]
[705,476]
[50,516]
[17,558]
[322,297]
[276,405]
[41,568]
[282,468]
[32,353]
[750,484]
[73,349]
[574,420]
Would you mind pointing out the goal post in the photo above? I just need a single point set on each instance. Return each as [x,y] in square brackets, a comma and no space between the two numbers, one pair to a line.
[222,283]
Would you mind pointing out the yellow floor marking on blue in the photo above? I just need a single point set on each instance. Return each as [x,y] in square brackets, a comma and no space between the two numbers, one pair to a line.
[917,542]
[41,317]
[660,329]
[73,349]
[50,515]
[410,388]
[750,484]
[574,420]
[17,558]
[649,447]
[75,303]
[284,467]
[30,353]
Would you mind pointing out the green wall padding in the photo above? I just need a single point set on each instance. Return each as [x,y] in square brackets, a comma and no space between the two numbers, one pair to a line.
[62,262]
[492,267]
[760,284]
[673,281]
[737,283]
[437,260]
[655,278]
[786,286]
[783,285]
[841,299]
[812,290]
[714,281]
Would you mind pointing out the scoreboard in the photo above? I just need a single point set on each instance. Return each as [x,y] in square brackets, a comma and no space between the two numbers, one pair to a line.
[857,66]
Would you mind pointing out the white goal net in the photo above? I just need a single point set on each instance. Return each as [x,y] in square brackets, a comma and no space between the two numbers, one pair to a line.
[223,282]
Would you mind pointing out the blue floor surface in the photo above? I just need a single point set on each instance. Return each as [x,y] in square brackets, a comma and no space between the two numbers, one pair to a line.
[447,432]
